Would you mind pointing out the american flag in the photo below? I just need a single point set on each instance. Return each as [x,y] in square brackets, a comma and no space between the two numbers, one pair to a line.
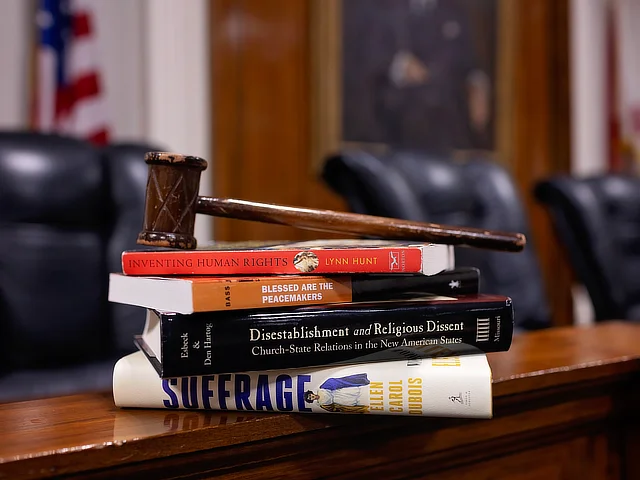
[68,97]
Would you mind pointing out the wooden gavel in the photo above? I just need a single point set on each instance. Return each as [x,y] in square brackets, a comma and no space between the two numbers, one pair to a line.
[172,202]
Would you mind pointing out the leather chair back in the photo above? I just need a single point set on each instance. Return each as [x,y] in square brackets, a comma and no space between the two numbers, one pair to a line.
[67,210]
[477,193]
[53,234]
[597,219]
[126,176]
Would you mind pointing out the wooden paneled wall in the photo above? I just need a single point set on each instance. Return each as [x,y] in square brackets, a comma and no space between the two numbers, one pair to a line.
[262,100]
[540,128]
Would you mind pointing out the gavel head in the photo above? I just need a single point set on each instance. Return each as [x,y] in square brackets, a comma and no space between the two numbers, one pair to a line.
[171,199]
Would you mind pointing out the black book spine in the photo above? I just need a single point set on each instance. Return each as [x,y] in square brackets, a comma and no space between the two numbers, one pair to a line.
[459,281]
[227,342]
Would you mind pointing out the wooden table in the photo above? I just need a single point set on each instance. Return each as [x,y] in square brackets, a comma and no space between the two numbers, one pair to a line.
[566,406]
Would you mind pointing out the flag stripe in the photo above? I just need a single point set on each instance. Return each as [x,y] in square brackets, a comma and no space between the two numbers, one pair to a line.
[81,25]
[69,96]
[81,58]
[85,118]
[100,137]
[86,86]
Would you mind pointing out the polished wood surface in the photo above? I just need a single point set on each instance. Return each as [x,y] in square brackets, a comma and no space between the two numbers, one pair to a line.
[565,407]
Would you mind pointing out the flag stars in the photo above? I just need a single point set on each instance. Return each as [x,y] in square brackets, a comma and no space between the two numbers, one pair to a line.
[44,19]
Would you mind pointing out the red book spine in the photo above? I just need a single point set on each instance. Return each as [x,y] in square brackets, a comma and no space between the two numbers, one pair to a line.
[276,261]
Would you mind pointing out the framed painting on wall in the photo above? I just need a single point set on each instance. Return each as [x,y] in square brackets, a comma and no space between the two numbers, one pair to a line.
[408,74]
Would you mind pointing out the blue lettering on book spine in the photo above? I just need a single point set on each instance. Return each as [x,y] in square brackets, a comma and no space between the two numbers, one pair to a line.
[263,397]
[284,398]
[243,391]
[223,392]
[246,392]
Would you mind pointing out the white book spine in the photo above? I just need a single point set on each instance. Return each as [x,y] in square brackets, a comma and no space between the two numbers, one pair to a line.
[435,387]
[437,258]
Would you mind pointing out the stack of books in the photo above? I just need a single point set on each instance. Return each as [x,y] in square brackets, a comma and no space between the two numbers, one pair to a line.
[352,326]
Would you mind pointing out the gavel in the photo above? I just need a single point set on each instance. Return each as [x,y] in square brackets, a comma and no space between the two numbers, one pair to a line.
[172,202]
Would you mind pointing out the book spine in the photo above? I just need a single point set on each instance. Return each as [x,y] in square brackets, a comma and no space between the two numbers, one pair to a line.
[280,261]
[442,387]
[461,281]
[205,343]
[263,292]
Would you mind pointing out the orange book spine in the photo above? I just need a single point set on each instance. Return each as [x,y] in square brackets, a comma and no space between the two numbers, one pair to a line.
[267,292]
[272,262]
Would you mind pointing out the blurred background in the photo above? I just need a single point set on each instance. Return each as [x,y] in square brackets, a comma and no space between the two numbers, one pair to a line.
[266,91]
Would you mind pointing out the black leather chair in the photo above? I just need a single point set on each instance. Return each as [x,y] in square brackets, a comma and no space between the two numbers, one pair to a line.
[597,219]
[67,210]
[476,193]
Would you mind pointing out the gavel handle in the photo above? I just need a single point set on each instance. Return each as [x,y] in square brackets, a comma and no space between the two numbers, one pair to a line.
[358,224]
